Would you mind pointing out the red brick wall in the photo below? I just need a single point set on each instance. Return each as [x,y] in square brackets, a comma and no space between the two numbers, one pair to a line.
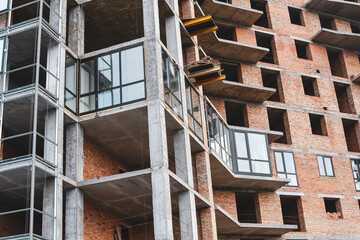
[98,163]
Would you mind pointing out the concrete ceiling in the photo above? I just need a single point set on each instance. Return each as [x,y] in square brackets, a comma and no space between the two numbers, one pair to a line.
[112,22]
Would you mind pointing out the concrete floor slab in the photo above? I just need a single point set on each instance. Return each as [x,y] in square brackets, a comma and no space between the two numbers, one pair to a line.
[339,39]
[230,13]
[227,225]
[238,91]
[346,9]
[231,50]
[223,177]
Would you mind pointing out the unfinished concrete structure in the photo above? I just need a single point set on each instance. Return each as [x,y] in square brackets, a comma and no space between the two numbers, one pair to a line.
[106,134]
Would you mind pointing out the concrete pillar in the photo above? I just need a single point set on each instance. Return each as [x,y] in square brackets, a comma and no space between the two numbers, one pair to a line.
[187,208]
[161,197]
[76,35]
[74,199]
[48,222]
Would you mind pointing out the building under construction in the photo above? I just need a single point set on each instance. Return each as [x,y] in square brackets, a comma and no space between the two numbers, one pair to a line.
[180,119]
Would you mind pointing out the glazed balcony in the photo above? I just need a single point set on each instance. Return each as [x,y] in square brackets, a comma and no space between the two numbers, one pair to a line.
[239,158]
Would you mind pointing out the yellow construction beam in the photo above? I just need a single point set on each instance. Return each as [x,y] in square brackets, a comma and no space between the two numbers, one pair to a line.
[203,31]
[210,80]
[197,21]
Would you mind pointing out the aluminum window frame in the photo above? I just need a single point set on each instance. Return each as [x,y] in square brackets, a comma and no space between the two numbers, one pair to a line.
[284,172]
[96,91]
[235,157]
[167,60]
[190,107]
[357,164]
[323,161]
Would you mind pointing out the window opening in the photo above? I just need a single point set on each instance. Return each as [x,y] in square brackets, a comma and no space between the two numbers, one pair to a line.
[318,125]
[236,114]
[302,50]
[351,135]
[263,20]
[292,212]
[248,209]
[310,86]
[295,16]
[333,208]
[344,98]
[266,41]
[272,79]
[278,122]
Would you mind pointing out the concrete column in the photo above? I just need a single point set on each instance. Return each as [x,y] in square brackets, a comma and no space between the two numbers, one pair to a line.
[187,208]
[161,197]
[76,35]
[74,202]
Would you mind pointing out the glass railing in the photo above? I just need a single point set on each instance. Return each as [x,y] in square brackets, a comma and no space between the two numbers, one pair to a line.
[218,135]
[172,90]
[193,110]
[105,81]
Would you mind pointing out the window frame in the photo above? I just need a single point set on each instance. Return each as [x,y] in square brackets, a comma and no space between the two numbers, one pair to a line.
[249,158]
[357,163]
[96,91]
[190,108]
[332,166]
[284,172]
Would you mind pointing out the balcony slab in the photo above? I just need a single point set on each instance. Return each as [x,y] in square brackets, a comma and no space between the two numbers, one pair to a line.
[231,50]
[238,91]
[227,225]
[223,177]
[272,135]
[339,39]
[230,13]
[356,79]
[341,8]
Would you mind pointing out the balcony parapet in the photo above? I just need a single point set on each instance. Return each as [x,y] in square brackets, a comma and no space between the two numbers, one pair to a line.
[230,13]
[341,8]
[231,50]
[345,40]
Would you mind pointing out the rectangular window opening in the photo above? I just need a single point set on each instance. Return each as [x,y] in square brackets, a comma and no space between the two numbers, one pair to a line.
[266,41]
[351,134]
[278,122]
[232,72]
[326,22]
[355,165]
[303,50]
[236,114]
[227,33]
[310,86]
[248,209]
[271,79]
[292,212]
[344,98]
[318,125]
[355,28]
[295,16]
[263,20]
[285,167]
[326,168]
[333,208]
[336,61]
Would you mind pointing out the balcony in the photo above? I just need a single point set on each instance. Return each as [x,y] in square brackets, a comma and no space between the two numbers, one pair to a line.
[345,40]
[238,91]
[341,8]
[227,226]
[106,81]
[239,159]
[229,13]
[133,190]
[231,50]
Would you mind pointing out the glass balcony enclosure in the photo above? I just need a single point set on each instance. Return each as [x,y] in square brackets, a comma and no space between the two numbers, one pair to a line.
[251,153]
[171,78]
[244,152]
[193,109]
[105,81]
[218,135]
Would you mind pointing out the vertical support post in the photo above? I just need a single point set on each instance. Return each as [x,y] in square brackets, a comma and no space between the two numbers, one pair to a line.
[74,199]
[76,35]
[161,192]
[187,208]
